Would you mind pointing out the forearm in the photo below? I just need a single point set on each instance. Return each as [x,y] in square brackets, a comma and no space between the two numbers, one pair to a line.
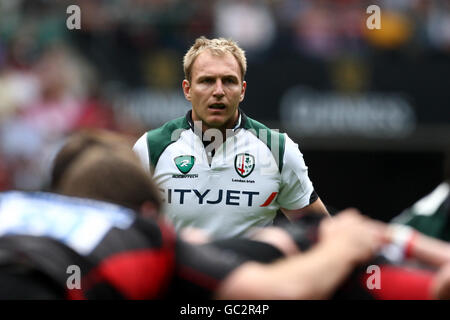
[416,245]
[321,271]
[345,242]
[431,251]
[313,275]
[316,207]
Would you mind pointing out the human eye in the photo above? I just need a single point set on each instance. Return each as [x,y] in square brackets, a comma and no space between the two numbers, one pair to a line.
[230,80]
[206,80]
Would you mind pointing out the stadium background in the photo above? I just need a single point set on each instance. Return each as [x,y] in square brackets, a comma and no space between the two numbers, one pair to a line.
[369,108]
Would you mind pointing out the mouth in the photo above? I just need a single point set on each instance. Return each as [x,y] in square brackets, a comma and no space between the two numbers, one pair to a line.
[217,106]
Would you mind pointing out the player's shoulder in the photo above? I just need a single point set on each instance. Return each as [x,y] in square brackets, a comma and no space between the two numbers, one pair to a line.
[427,207]
[272,138]
[430,204]
[157,140]
[169,127]
[40,202]
[263,132]
[165,132]
[252,124]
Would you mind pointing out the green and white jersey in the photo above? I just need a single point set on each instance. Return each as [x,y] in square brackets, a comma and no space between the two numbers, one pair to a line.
[248,178]
[431,214]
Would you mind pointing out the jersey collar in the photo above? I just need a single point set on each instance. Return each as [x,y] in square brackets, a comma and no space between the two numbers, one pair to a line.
[240,123]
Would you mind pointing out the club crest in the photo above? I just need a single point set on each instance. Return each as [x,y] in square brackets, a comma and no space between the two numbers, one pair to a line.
[184,163]
[244,164]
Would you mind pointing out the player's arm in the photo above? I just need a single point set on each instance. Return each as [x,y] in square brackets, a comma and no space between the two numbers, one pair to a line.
[297,195]
[430,250]
[416,245]
[346,242]
[141,150]
[306,276]
[316,207]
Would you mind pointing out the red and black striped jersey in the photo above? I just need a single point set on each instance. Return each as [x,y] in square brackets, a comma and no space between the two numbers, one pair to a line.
[119,254]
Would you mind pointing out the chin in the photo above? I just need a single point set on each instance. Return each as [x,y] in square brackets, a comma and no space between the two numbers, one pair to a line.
[215,122]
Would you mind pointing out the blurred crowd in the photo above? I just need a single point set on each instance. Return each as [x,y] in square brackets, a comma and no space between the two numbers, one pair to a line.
[54,81]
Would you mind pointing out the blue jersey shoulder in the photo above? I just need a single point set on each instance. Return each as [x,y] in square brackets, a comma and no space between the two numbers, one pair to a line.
[79,223]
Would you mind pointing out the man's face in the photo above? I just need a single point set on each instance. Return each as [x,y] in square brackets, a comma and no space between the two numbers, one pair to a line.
[215,90]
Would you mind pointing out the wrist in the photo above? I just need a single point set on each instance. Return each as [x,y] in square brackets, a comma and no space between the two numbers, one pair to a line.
[401,240]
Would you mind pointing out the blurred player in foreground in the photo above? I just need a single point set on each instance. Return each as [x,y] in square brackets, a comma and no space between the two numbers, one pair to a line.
[125,255]
[431,214]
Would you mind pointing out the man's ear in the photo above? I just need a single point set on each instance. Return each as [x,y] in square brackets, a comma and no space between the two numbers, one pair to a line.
[149,210]
[186,89]
[244,87]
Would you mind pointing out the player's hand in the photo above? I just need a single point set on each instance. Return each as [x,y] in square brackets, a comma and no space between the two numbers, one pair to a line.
[194,235]
[354,235]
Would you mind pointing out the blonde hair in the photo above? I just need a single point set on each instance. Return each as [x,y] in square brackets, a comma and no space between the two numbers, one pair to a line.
[217,46]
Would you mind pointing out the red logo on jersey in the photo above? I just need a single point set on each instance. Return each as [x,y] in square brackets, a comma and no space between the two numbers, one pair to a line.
[269,199]
[244,164]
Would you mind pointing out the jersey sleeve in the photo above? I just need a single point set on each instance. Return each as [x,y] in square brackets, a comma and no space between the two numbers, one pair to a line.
[430,214]
[141,149]
[296,188]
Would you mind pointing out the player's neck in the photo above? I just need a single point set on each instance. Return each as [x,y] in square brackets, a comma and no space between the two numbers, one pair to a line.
[231,124]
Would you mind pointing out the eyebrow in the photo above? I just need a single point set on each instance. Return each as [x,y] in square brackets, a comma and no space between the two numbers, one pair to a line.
[230,76]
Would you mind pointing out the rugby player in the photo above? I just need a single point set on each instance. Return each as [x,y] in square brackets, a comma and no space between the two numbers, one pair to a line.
[123,255]
[220,170]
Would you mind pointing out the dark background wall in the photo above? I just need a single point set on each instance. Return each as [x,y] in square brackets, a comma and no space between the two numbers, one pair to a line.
[380,184]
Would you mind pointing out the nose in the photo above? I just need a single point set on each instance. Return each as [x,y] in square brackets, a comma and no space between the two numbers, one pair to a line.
[218,89]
